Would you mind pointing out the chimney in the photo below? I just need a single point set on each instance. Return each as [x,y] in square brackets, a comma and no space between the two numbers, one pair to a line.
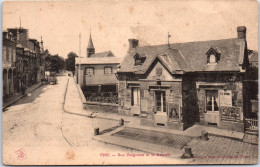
[241,32]
[133,43]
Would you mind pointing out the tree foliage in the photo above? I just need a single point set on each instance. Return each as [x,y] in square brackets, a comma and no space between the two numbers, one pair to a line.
[70,61]
[54,63]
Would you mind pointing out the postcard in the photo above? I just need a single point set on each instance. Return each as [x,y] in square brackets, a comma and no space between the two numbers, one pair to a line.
[114,82]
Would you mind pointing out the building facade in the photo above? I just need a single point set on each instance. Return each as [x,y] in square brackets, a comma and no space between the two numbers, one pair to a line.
[8,62]
[96,72]
[26,61]
[179,85]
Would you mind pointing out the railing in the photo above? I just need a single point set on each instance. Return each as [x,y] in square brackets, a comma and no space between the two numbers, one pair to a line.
[251,125]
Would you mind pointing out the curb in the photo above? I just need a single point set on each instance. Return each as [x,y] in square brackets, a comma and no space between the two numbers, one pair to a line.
[20,97]
[64,110]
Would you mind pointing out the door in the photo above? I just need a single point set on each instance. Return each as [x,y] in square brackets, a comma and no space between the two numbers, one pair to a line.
[136,107]
[160,102]
[212,101]
[212,107]
[136,97]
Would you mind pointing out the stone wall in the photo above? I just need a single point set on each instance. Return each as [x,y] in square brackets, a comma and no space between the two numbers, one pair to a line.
[221,82]
[100,107]
[190,100]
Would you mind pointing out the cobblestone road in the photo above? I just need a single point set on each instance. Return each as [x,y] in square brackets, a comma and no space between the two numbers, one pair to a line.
[220,150]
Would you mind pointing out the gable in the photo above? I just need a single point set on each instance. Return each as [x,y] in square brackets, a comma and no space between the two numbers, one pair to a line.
[158,71]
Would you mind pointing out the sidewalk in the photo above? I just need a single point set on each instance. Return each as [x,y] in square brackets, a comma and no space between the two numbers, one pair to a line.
[17,96]
[73,105]
[220,148]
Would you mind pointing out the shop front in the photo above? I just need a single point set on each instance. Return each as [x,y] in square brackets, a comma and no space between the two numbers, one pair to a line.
[221,105]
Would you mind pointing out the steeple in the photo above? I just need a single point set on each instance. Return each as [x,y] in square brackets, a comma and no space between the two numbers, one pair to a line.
[90,49]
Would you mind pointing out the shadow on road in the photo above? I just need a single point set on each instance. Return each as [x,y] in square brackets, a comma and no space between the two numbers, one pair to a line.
[32,96]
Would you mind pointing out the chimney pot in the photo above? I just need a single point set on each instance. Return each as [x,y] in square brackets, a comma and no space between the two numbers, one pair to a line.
[133,43]
[241,32]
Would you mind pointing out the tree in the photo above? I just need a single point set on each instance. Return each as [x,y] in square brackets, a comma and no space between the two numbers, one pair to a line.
[70,61]
[54,63]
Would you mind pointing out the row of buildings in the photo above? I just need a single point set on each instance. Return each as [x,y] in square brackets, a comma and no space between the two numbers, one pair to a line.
[23,61]
[177,85]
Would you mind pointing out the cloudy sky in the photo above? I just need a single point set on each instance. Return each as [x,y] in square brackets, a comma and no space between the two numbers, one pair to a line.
[113,22]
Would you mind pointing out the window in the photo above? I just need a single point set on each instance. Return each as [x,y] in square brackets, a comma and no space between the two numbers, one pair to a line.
[213,56]
[135,101]
[4,53]
[138,62]
[10,55]
[139,58]
[212,100]
[108,70]
[212,59]
[160,101]
[89,71]
[7,54]
[14,55]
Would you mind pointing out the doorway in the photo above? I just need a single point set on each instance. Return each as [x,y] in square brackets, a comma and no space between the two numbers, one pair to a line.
[212,102]
[212,107]
[160,102]
[135,101]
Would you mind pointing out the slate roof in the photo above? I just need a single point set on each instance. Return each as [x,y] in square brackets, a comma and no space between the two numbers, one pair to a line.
[105,60]
[188,57]
[102,54]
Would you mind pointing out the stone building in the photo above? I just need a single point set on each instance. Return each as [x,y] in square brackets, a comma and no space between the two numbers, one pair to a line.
[182,84]
[96,72]
[28,58]
[8,62]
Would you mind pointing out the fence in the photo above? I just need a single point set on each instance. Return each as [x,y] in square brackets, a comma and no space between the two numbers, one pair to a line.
[251,125]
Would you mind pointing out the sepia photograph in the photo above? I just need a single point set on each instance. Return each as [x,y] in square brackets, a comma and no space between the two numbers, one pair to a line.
[127,82]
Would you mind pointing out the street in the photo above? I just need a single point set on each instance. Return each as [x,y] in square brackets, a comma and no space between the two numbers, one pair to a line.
[38,125]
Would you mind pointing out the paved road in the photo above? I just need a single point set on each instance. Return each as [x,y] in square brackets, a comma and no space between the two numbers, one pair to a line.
[34,125]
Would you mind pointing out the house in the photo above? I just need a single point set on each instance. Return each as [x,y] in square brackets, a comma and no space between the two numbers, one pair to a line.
[253,58]
[96,72]
[182,84]
[8,59]
[28,63]
[252,83]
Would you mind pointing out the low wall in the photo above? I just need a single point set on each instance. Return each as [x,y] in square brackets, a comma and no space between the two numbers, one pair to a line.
[95,106]
[101,107]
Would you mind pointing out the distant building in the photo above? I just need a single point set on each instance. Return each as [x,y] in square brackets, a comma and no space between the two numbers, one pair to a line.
[8,63]
[252,82]
[28,59]
[253,58]
[96,72]
[178,85]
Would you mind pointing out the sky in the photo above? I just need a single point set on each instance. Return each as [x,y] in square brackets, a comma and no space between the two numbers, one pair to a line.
[113,22]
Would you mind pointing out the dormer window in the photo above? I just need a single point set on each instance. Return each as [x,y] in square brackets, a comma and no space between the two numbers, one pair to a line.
[213,56]
[139,58]
[212,59]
